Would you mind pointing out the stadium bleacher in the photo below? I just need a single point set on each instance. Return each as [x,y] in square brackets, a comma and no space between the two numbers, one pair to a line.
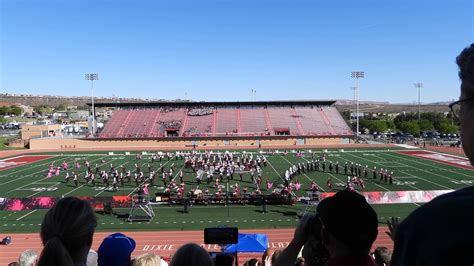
[226,121]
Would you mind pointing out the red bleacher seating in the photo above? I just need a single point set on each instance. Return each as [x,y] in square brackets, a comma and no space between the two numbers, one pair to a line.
[232,121]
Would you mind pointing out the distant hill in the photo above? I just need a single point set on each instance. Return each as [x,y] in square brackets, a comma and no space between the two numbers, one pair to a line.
[35,100]
[342,105]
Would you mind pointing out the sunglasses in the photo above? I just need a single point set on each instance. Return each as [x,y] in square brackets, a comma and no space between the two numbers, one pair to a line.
[456,106]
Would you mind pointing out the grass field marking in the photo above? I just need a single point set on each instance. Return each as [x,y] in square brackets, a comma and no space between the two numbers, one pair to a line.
[38,181]
[70,191]
[87,154]
[47,183]
[431,166]
[43,183]
[26,215]
[19,178]
[36,193]
[44,178]
[34,165]
[121,189]
[278,174]
[437,184]
[29,168]
[447,154]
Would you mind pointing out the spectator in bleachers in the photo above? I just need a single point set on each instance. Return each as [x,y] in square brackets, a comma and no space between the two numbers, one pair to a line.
[191,254]
[28,258]
[149,259]
[116,249]
[66,232]
[347,226]
[441,232]
[382,256]
[198,111]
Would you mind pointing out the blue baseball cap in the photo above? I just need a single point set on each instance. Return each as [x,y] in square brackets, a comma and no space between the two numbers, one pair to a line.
[116,250]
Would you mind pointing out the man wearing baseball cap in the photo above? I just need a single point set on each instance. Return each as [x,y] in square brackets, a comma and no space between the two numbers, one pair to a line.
[345,224]
[349,227]
[116,250]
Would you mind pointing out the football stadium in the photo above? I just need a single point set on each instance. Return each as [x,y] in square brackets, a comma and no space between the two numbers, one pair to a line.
[180,167]
[226,133]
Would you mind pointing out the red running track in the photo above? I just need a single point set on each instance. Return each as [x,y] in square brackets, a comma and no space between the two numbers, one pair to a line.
[165,243]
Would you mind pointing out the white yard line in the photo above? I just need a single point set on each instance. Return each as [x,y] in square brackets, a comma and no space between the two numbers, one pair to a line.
[43,170]
[278,174]
[431,166]
[26,215]
[39,191]
[70,191]
[27,168]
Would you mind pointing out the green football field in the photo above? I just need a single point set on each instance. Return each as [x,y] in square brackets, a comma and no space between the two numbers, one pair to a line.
[410,173]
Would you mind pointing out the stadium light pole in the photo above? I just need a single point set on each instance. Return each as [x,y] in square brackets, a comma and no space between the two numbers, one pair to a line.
[419,85]
[354,102]
[92,77]
[357,75]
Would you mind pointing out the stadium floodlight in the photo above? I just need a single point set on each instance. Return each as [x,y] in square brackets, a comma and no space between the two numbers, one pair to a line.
[357,75]
[353,102]
[92,77]
[419,85]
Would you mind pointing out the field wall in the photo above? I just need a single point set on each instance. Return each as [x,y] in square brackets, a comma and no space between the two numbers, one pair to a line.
[180,143]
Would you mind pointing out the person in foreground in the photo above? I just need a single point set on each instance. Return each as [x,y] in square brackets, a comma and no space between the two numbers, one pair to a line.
[116,249]
[345,224]
[66,233]
[191,254]
[441,232]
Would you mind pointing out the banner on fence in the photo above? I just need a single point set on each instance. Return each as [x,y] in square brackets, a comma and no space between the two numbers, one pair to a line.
[392,197]
[376,197]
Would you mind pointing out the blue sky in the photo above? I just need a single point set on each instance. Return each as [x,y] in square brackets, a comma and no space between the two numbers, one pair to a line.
[220,50]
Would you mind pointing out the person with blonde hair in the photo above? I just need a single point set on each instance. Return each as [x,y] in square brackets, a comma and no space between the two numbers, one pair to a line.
[149,259]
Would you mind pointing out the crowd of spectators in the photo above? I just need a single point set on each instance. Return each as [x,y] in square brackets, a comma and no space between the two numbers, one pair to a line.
[341,232]
[199,111]
[171,124]
[193,131]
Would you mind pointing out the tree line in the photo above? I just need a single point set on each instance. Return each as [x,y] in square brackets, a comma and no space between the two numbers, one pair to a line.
[409,123]
[10,110]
